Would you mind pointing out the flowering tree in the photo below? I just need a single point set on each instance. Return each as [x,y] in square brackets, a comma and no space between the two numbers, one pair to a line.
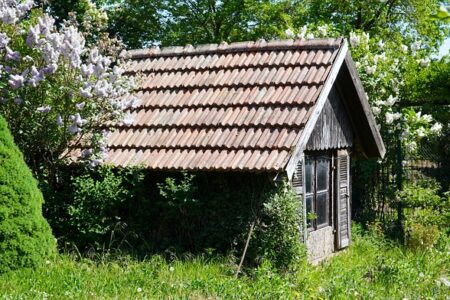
[382,66]
[54,88]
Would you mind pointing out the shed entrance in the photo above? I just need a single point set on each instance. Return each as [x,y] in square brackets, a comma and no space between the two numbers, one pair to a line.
[327,202]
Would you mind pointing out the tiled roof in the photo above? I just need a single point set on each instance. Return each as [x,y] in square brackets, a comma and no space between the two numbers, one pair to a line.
[241,106]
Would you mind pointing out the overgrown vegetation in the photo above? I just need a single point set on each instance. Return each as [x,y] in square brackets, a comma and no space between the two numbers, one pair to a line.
[143,212]
[372,268]
[25,237]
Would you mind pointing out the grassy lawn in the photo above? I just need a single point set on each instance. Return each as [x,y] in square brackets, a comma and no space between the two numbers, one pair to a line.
[371,268]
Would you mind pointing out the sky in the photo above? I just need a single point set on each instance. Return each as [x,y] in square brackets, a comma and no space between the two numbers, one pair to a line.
[444,48]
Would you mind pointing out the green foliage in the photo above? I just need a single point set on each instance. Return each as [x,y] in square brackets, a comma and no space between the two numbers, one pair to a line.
[427,213]
[278,235]
[372,268]
[144,212]
[419,236]
[25,237]
[96,203]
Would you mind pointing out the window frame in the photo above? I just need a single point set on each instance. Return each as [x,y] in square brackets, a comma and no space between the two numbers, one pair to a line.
[312,192]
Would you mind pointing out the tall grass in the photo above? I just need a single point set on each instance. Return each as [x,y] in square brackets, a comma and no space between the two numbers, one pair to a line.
[372,268]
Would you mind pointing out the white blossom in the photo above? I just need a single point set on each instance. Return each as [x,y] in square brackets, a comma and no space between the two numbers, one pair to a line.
[391,117]
[370,69]
[289,33]
[427,118]
[436,128]
[86,92]
[415,46]
[411,146]
[376,110]
[420,132]
[323,30]
[355,39]
[44,109]
[302,33]
[424,62]
[77,120]
[391,100]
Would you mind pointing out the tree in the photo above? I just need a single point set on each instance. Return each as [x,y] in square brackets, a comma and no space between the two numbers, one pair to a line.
[25,237]
[54,87]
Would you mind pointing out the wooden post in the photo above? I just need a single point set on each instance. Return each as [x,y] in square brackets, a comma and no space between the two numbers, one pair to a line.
[399,181]
[250,232]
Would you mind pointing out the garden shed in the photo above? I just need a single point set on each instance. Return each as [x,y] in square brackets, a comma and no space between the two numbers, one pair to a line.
[293,109]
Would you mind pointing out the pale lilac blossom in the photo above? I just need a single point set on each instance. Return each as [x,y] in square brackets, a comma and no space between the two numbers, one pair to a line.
[12,55]
[59,120]
[4,40]
[86,153]
[16,81]
[80,105]
[73,128]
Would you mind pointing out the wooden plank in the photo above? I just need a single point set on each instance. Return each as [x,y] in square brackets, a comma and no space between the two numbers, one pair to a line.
[333,129]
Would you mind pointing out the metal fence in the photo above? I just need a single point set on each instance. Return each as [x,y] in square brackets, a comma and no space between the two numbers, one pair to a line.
[376,186]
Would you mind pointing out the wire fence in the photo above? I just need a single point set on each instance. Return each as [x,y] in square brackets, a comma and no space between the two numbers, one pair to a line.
[376,186]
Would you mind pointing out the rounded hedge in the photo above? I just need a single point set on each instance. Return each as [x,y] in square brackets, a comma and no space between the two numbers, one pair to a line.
[26,239]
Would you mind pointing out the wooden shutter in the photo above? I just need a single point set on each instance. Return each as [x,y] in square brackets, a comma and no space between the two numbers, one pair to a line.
[343,199]
[297,183]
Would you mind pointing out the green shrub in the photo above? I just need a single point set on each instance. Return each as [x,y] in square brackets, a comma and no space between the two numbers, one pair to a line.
[173,213]
[278,234]
[419,236]
[99,205]
[427,214]
[25,237]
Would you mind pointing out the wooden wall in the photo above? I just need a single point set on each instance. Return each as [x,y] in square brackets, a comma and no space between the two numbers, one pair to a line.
[333,129]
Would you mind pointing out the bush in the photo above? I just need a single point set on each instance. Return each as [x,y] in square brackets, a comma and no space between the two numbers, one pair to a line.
[154,212]
[427,213]
[278,235]
[25,236]
[419,236]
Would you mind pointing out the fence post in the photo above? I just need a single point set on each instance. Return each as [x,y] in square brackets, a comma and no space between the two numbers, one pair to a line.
[399,182]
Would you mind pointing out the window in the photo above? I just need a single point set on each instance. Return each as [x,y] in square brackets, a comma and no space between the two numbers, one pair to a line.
[317,190]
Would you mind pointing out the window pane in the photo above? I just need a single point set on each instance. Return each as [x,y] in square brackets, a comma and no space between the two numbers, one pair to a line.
[308,175]
[322,174]
[322,208]
[308,210]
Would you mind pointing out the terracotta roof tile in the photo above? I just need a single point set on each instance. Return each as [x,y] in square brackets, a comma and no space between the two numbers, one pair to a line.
[239,106]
